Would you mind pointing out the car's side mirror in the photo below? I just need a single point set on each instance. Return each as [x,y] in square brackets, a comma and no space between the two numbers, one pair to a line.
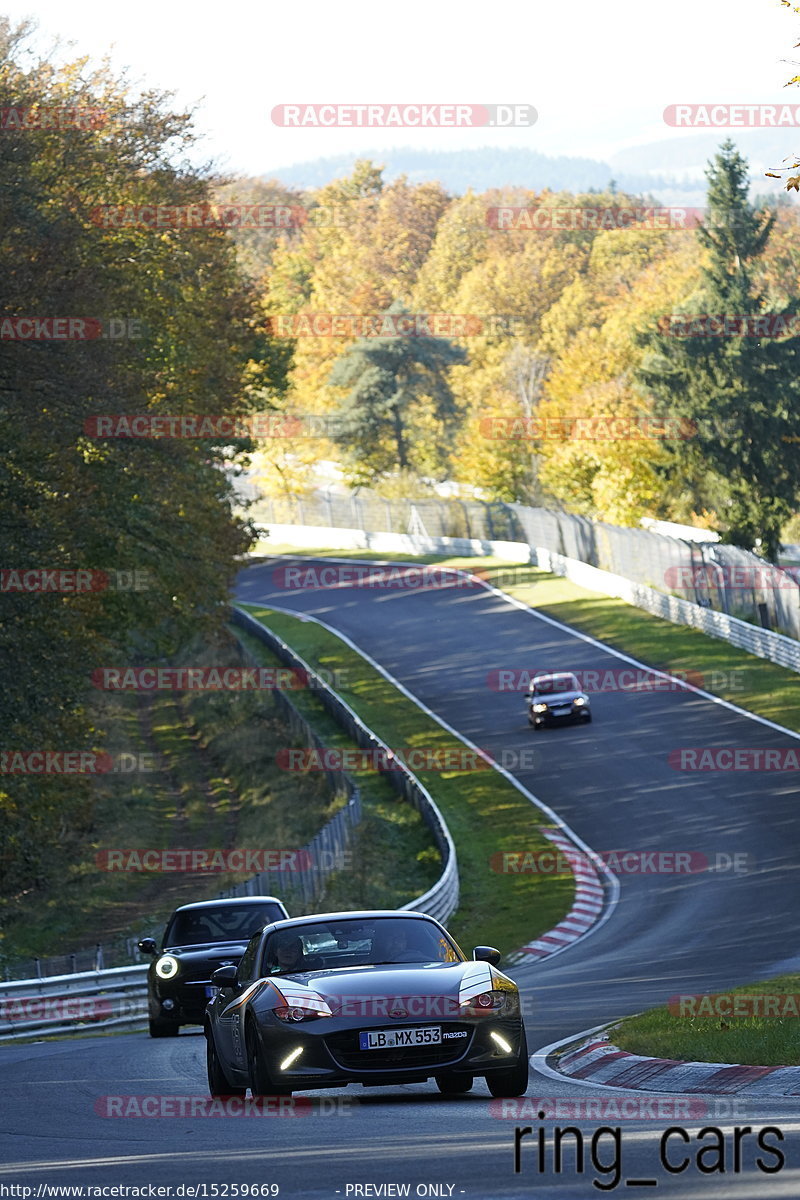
[487,954]
[224,977]
[147,945]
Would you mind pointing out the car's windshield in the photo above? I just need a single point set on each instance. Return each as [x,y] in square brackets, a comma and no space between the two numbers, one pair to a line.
[226,923]
[359,942]
[547,685]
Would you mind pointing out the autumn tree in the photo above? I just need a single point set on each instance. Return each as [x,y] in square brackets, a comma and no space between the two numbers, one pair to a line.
[68,497]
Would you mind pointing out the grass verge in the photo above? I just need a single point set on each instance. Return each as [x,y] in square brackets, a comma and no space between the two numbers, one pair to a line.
[721,1036]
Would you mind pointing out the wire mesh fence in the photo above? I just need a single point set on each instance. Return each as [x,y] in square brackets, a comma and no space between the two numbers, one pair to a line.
[717,576]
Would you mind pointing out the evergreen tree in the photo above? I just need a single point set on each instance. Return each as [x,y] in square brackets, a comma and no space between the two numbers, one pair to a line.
[397,384]
[738,391]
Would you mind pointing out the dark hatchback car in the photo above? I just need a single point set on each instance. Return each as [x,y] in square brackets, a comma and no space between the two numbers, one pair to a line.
[553,698]
[199,938]
[379,998]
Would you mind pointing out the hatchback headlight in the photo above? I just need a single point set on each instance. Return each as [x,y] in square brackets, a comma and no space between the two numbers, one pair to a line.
[579,701]
[167,967]
[539,707]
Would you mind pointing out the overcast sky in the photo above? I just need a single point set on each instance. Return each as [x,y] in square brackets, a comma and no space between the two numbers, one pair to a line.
[599,72]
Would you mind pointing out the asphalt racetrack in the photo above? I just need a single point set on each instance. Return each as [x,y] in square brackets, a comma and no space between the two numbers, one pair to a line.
[612,782]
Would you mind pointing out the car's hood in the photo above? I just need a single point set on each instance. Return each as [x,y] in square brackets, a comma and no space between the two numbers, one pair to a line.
[206,950]
[421,989]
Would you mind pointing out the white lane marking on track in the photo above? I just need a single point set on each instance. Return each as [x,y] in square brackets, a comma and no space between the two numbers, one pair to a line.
[613,881]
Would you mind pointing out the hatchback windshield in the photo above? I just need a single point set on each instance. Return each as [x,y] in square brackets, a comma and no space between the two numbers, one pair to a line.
[227,923]
[548,685]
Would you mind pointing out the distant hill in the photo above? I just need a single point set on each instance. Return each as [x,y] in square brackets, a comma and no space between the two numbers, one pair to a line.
[670,171]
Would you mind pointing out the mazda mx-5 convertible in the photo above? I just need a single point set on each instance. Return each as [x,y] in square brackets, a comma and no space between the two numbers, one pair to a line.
[377,998]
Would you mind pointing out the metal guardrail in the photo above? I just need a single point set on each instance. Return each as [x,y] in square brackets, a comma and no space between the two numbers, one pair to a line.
[764,643]
[80,1003]
[441,900]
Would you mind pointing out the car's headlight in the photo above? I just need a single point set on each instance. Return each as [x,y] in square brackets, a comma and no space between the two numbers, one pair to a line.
[539,707]
[579,701]
[491,1004]
[167,967]
[305,1008]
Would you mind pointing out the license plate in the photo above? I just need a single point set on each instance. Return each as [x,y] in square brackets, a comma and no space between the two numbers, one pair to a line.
[391,1039]
[560,712]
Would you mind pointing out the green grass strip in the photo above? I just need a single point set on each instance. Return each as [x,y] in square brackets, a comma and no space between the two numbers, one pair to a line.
[684,1031]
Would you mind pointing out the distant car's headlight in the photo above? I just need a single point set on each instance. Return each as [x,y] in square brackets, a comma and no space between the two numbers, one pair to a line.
[539,707]
[167,967]
[579,700]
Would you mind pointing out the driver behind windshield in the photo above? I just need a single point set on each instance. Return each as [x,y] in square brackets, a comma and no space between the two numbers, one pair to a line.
[392,945]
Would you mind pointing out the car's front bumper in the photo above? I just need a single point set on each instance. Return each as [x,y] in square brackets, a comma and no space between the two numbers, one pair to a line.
[331,1055]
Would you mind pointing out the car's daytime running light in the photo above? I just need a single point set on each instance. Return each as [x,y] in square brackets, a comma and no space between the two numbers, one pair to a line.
[291,1058]
[501,1042]
[167,967]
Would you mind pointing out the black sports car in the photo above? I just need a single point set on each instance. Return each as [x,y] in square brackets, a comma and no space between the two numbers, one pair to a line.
[198,939]
[557,697]
[377,998]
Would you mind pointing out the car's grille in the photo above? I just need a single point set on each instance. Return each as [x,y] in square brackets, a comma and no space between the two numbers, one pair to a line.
[344,1050]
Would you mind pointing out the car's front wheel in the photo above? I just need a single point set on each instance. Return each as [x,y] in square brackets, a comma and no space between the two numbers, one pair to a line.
[161,1028]
[514,1080]
[217,1079]
[454,1085]
[260,1082]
